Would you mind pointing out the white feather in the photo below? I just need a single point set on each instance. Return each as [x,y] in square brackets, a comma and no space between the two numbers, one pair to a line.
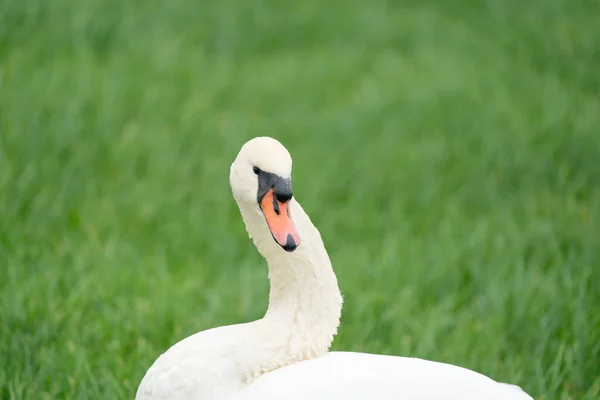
[285,354]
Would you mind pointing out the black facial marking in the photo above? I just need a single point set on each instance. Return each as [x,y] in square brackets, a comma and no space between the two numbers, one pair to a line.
[281,186]
[276,206]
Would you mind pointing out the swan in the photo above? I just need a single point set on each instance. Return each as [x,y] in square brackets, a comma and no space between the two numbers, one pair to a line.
[285,354]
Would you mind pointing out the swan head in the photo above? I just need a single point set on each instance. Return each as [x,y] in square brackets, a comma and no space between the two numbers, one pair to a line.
[260,179]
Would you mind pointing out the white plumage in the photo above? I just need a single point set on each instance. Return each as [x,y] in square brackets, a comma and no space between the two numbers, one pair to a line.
[285,354]
[346,375]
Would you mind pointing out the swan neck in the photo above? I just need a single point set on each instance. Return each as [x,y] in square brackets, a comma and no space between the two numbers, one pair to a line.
[304,299]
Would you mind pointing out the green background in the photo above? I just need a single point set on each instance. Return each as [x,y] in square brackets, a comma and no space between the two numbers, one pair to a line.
[448,151]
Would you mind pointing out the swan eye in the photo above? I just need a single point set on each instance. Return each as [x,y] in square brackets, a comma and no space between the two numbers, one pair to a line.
[256,170]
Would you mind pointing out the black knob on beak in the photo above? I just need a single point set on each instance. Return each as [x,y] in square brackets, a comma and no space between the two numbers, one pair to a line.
[282,187]
[283,190]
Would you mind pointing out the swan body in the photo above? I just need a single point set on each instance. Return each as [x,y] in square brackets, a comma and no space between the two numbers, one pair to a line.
[348,375]
[284,355]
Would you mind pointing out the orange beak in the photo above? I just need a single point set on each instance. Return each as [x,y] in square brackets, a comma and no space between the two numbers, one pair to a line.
[277,214]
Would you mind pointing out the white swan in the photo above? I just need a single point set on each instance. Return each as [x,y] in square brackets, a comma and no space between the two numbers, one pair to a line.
[285,354]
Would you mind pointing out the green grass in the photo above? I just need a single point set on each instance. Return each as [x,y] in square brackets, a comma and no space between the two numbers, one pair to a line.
[449,152]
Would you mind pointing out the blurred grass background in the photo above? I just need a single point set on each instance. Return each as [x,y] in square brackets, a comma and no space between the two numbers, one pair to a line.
[449,152]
